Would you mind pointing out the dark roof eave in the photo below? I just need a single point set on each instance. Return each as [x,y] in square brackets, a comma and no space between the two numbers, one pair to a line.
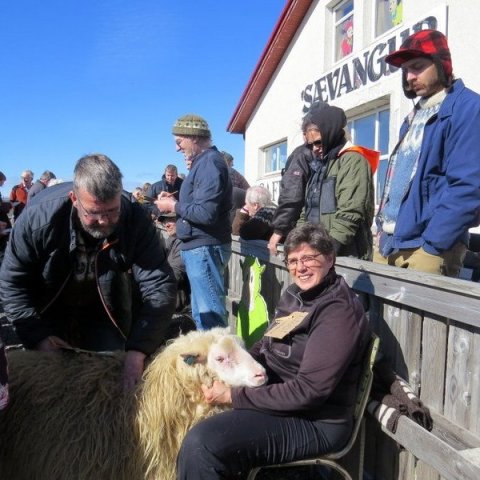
[283,33]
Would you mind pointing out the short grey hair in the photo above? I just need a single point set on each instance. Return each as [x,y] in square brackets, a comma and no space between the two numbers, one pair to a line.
[99,176]
[258,194]
[47,175]
[171,168]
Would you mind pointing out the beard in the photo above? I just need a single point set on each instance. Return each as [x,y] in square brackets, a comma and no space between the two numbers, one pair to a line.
[98,232]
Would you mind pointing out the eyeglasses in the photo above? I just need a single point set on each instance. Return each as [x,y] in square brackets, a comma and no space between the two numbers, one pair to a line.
[316,143]
[109,214]
[306,260]
[179,141]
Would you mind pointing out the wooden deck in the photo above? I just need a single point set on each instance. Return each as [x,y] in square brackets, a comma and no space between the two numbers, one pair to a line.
[430,329]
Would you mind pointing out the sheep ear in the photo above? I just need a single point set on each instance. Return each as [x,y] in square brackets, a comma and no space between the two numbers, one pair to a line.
[192,358]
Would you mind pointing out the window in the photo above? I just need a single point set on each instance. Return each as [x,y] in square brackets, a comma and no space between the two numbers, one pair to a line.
[372,131]
[343,15]
[275,157]
[389,14]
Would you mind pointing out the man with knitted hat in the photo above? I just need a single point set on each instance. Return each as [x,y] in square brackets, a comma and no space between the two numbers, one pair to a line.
[203,223]
[432,190]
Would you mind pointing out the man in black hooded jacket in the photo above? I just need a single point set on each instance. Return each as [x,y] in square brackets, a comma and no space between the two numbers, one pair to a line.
[332,181]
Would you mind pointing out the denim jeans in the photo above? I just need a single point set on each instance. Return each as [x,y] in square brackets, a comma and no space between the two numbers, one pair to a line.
[205,268]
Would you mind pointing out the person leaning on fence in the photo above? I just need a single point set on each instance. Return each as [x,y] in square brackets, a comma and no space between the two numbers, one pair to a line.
[293,185]
[339,190]
[84,268]
[254,220]
[203,224]
[431,194]
[313,365]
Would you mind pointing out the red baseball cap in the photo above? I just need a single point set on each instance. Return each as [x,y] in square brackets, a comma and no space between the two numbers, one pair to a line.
[425,43]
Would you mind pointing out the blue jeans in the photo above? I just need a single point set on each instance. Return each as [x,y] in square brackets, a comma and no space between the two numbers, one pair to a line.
[205,268]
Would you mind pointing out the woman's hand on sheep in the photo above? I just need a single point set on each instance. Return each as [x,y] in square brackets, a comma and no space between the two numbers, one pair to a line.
[133,369]
[217,394]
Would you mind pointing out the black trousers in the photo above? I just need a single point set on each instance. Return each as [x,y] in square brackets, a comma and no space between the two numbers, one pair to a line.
[230,444]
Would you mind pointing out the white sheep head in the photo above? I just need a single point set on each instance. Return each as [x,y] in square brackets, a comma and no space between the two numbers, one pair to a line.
[171,399]
[228,360]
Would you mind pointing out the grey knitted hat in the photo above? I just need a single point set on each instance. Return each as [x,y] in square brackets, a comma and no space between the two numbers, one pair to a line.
[191,124]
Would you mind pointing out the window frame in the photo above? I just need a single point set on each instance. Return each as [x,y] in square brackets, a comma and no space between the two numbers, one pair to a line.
[268,161]
[337,57]
[392,25]
[384,157]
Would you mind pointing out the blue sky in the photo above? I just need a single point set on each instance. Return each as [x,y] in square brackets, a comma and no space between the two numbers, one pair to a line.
[111,76]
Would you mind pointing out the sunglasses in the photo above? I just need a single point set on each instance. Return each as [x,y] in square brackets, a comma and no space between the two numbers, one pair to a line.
[316,143]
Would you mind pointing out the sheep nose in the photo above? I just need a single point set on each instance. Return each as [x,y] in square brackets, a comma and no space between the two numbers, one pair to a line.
[260,378]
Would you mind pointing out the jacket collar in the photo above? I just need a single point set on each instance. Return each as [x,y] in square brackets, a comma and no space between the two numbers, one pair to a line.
[306,296]
[452,94]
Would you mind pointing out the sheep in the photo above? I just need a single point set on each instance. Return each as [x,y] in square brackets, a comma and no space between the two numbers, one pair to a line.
[70,419]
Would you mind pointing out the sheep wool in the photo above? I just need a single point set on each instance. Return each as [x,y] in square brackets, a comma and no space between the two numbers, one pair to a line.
[180,404]
[70,419]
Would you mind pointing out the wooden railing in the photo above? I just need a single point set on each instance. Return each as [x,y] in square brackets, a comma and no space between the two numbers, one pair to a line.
[429,327]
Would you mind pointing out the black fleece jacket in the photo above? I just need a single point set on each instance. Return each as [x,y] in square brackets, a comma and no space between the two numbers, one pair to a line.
[292,190]
[314,370]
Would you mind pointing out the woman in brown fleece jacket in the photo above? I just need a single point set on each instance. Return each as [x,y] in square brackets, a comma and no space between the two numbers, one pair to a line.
[313,363]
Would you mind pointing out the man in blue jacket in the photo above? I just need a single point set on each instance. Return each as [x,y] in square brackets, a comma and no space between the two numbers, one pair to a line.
[84,268]
[169,185]
[432,190]
[203,223]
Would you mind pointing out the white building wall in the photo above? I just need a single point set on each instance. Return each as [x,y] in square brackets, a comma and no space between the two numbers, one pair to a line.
[279,112]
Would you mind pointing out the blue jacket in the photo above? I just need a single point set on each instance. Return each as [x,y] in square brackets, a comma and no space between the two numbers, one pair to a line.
[156,188]
[205,202]
[443,200]
[136,284]
[163,186]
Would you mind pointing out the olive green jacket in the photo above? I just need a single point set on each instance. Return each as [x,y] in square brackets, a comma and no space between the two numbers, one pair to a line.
[341,197]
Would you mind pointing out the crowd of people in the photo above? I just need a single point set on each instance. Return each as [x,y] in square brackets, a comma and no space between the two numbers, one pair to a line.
[88,265]
[20,195]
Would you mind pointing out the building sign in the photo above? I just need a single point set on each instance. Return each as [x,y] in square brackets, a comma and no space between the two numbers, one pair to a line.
[272,184]
[366,68]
